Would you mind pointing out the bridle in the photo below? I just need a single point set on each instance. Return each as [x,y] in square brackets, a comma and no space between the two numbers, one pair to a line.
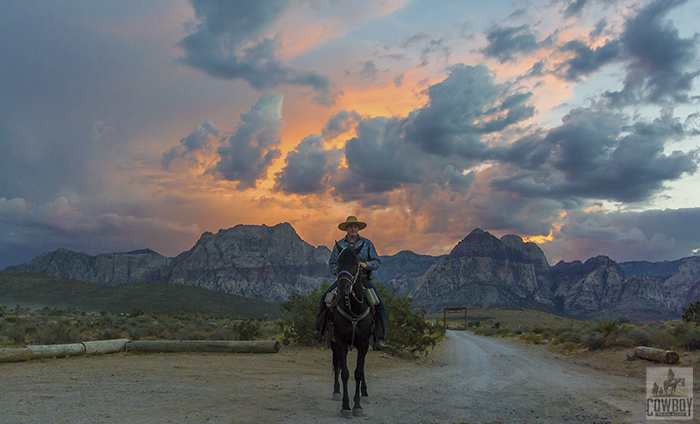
[352,279]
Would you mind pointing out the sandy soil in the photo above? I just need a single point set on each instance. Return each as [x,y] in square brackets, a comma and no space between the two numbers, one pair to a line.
[467,378]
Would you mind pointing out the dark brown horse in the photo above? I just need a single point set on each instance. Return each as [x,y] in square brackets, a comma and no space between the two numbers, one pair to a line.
[352,326]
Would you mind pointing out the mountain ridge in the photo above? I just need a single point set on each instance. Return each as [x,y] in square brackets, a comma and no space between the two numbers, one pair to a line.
[271,262]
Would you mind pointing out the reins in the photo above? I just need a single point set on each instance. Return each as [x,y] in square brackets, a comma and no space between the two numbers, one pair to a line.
[354,319]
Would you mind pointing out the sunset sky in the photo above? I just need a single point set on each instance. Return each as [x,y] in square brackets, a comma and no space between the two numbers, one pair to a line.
[131,124]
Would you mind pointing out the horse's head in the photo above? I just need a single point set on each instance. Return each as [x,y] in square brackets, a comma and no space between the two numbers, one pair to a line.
[348,268]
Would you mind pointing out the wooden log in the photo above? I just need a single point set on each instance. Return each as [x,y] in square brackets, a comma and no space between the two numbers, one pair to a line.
[658,355]
[56,351]
[12,354]
[224,346]
[105,346]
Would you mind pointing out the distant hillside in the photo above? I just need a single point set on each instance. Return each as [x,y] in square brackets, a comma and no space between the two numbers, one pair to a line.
[39,290]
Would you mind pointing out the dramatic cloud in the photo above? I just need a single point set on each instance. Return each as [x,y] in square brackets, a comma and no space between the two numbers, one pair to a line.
[663,65]
[307,168]
[628,236]
[594,155]
[507,43]
[461,109]
[26,227]
[588,60]
[339,124]
[230,43]
[246,155]
[198,139]
[574,8]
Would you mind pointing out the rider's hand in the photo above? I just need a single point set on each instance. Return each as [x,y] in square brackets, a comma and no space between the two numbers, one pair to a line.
[363,265]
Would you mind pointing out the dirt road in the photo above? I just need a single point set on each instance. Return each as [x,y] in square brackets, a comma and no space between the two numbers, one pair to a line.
[468,379]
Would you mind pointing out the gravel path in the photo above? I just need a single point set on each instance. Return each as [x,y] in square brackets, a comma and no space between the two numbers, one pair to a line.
[468,379]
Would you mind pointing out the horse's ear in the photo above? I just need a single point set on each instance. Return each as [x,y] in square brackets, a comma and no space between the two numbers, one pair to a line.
[359,249]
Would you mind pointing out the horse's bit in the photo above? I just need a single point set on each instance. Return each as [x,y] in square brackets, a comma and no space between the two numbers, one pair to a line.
[350,316]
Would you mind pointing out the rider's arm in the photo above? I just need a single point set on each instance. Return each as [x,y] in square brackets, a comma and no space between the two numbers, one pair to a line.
[333,261]
[373,261]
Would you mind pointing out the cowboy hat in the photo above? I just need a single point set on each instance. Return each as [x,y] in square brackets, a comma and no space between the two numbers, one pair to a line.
[351,220]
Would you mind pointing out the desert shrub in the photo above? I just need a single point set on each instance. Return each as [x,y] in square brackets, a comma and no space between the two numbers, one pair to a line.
[595,341]
[57,333]
[407,328]
[663,340]
[533,338]
[639,337]
[302,309]
[496,325]
[503,331]
[248,329]
[691,313]
[569,347]
[474,324]
[485,331]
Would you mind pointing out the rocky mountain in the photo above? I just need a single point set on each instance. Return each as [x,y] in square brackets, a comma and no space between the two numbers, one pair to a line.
[402,270]
[483,271]
[270,263]
[599,289]
[107,268]
[261,262]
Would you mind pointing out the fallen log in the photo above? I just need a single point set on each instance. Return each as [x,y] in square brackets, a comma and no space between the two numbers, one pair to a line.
[658,355]
[223,346]
[12,354]
[105,346]
[56,351]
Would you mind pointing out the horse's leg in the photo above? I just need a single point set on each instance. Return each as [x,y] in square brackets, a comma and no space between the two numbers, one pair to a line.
[360,385]
[336,373]
[345,374]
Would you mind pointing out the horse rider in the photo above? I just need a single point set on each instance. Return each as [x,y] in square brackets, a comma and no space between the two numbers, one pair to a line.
[369,261]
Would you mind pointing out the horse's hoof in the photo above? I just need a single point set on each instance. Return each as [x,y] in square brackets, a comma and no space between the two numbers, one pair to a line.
[365,400]
[346,413]
[337,396]
[358,412]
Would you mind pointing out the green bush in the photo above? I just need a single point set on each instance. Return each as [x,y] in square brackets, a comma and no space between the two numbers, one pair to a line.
[302,310]
[248,329]
[407,328]
[595,341]
[692,312]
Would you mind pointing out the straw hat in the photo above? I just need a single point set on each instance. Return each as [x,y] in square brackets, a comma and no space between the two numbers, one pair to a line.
[351,220]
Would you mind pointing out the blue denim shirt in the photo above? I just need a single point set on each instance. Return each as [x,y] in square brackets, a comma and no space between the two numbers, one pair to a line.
[368,254]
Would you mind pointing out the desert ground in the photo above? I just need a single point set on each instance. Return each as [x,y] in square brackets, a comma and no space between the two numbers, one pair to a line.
[466,379]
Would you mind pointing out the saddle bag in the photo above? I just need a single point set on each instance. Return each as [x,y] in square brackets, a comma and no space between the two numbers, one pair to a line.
[371,296]
[330,297]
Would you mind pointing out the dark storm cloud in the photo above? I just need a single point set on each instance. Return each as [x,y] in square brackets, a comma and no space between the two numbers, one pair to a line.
[507,43]
[662,64]
[340,123]
[307,168]
[198,139]
[587,60]
[574,8]
[463,107]
[594,155]
[653,235]
[246,155]
[229,43]
[28,229]
[378,158]
[369,71]
[434,46]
